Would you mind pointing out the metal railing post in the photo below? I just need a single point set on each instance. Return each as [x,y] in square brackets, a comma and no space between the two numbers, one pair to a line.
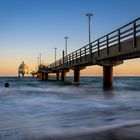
[80,56]
[134,35]
[90,52]
[85,53]
[98,45]
[76,56]
[63,56]
[107,45]
[119,43]
[69,59]
[72,59]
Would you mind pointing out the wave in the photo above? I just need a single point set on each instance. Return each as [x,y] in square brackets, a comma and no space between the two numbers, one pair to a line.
[111,132]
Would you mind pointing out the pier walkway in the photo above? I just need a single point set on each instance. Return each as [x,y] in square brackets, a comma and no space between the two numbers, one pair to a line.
[107,51]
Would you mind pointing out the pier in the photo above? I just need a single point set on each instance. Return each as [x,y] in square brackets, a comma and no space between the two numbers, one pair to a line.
[107,51]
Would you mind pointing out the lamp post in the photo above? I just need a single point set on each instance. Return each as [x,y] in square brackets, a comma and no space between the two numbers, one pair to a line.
[55,55]
[38,62]
[42,62]
[66,38]
[40,54]
[89,15]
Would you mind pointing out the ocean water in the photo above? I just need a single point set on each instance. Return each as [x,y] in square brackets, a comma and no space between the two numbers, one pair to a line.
[31,108]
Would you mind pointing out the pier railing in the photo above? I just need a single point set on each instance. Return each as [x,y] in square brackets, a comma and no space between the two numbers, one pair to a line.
[86,53]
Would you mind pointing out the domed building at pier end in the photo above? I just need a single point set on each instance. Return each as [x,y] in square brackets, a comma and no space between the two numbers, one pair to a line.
[23,69]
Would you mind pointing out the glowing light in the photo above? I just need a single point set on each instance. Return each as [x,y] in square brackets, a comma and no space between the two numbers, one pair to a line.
[23,69]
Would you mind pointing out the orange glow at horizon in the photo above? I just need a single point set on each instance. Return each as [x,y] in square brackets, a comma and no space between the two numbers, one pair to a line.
[128,68]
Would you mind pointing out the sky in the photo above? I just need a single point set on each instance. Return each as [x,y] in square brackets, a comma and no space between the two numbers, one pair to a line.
[30,27]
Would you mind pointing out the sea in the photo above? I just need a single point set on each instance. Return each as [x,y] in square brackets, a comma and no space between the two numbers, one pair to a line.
[31,108]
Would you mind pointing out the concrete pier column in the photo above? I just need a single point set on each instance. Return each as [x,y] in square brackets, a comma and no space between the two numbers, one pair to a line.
[108,72]
[107,77]
[57,76]
[63,76]
[42,76]
[77,75]
[38,76]
[33,74]
[46,76]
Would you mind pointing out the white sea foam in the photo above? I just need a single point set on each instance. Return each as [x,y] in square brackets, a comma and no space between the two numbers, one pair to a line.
[82,133]
[32,109]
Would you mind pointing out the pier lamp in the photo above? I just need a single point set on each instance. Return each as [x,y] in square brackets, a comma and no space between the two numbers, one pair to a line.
[38,62]
[40,54]
[66,38]
[89,15]
[55,55]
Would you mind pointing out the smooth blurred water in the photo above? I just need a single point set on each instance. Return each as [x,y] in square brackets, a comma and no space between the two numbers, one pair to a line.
[31,106]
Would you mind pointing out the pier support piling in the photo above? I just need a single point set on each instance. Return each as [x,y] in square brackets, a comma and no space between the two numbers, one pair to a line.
[108,72]
[107,77]
[42,76]
[77,75]
[46,76]
[57,76]
[63,76]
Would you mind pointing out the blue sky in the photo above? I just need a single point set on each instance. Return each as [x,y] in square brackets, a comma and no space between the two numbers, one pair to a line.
[29,27]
